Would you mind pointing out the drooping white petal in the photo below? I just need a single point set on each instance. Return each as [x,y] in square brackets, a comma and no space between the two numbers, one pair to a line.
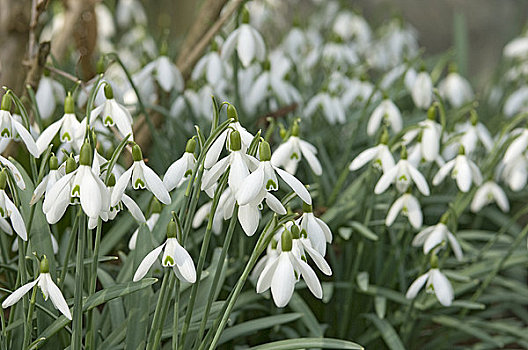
[18,294]
[133,208]
[16,220]
[310,157]
[184,264]
[295,185]
[91,198]
[266,277]
[275,204]
[394,210]
[283,281]
[386,179]
[442,287]
[414,212]
[416,286]
[155,185]
[245,45]
[174,174]
[26,138]
[147,262]
[56,296]
[418,179]
[443,171]
[120,186]
[363,158]
[309,277]
[251,187]
[463,174]
[47,135]
[457,249]
[249,216]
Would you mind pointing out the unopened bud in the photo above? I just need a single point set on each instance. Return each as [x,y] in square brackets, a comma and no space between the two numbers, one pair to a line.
[235,143]
[264,151]
[85,157]
[137,155]
[44,265]
[69,105]
[286,240]
[191,145]
[6,103]
[53,162]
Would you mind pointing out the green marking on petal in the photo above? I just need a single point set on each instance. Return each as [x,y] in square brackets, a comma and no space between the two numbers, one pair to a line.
[6,133]
[402,178]
[294,156]
[108,121]
[271,185]
[169,261]
[2,213]
[188,173]
[66,137]
[76,191]
[139,184]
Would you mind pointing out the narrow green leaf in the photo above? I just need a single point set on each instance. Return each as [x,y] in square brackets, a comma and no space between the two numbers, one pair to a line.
[466,328]
[294,344]
[389,335]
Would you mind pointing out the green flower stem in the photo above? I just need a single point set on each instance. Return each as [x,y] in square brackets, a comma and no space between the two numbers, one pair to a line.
[165,309]
[3,343]
[176,315]
[69,249]
[218,272]
[159,306]
[76,341]
[22,273]
[90,335]
[27,337]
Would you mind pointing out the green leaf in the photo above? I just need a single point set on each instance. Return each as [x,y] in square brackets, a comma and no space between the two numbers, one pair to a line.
[364,231]
[466,328]
[294,344]
[297,304]
[388,333]
[252,326]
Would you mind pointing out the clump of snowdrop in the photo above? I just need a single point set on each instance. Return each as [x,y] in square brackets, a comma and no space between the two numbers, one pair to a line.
[422,90]
[462,169]
[181,168]
[8,210]
[456,89]
[11,128]
[435,282]
[380,156]
[432,238]
[386,113]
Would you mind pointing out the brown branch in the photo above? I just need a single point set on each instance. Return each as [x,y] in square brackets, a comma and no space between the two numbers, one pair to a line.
[188,62]
[279,113]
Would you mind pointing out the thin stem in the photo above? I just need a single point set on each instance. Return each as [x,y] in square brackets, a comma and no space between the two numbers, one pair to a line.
[69,249]
[90,335]
[164,310]
[27,337]
[23,278]
[157,311]
[79,276]
[176,315]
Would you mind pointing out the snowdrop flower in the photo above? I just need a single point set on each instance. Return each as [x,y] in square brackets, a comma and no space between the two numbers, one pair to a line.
[473,131]
[435,282]
[264,179]
[239,163]
[517,48]
[429,132]
[316,229]
[402,175]
[517,102]
[515,173]
[112,113]
[174,255]
[181,168]
[164,72]
[212,155]
[517,147]
[48,93]
[331,106]
[409,206]
[142,177]
[70,128]
[272,253]
[380,156]
[47,181]
[271,83]
[462,169]
[387,112]
[14,171]
[211,66]
[247,42]
[9,210]
[303,247]
[11,128]
[339,55]
[128,11]
[155,210]
[289,154]
[455,89]
[351,26]
[48,288]
[487,193]
[422,90]
[281,274]
[202,214]
[433,237]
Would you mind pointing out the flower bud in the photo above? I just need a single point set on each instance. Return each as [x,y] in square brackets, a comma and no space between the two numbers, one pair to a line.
[461,150]
[172,229]
[137,155]
[44,265]
[6,102]
[53,162]
[473,117]
[108,91]
[3,179]
[69,105]
[434,261]
[296,233]
[295,129]
[191,145]
[286,240]
[111,180]
[232,112]
[70,165]
[245,15]
[443,219]
[235,141]
[264,151]
[307,208]
[85,157]
[384,139]
[100,66]
[403,154]
[431,112]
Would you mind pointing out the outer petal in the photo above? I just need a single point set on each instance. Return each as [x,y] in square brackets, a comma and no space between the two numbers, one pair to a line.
[295,185]
[463,176]
[174,174]
[275,204]
[363,158]
[437,236]
[283,282]
[91,199]
[26,138]
[133,208]
[443,171]
[251,187]
[420,238]
[266,277]
[309,277]
[311,158]
[155,185]
[394,210]
[418,179]
[16,220]
[185,264]
[56,297]
[18,294]
[47,135]
[416,286]
[147,262]
[414,212]
[245,45]
[249,216]
[386,179]
[214,151]
[120,186]
[500,198]
[457,249]
[442,287]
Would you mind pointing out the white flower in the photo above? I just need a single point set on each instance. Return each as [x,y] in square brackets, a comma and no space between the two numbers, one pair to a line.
[517,147]
[380,155]
[71,130]
[462,169]
[181,168]
[472,132]
[48,93]
[248,43]
[517,48]
[11,128]
[289,154]
[487,193]
[14,171]
[422,90]
[303,246]
[128,11]
[281,274]
[142,177]
[264,179]
[9,210]
[112,113]
[515,173]
[455,89]
[164,71]
[216,148]
[409,206]
[316,229]
[402,175]
[331,105]
[351,26]
[174,255]
[387,112]
[155,209]
[55,173]
[48,288]
[437,283]
[433,236]
[431,132]
[517,102]
[212,67]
